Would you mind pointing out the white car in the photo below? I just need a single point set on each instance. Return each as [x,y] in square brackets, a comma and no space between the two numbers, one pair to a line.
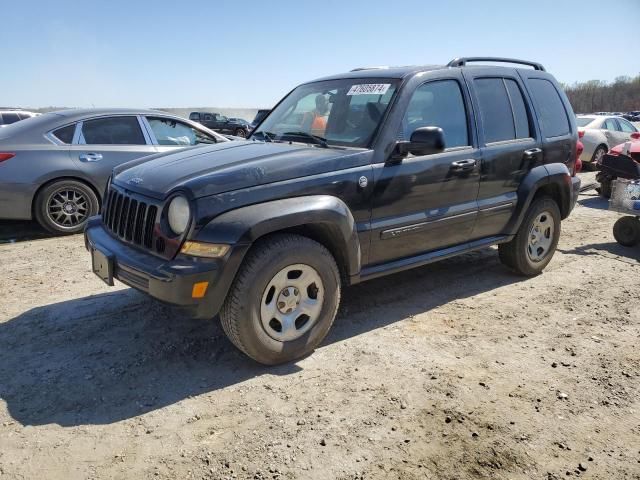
[599,133]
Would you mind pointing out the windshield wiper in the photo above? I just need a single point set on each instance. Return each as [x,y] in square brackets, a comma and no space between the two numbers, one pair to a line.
[268,136]
[317,140]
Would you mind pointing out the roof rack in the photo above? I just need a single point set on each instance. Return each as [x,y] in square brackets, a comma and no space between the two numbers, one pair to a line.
[461,62]
[359,69]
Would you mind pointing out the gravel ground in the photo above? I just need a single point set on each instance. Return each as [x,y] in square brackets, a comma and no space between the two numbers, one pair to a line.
[458,370]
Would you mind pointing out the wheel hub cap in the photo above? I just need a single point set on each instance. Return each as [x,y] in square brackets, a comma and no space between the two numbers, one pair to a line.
[68,207]
[291,302]
[288,300]
[540,237]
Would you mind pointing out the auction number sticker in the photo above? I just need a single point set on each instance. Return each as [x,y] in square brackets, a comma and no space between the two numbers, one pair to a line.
[369,89]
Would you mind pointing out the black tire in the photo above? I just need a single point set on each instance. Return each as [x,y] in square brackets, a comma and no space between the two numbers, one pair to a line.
[606,184]
[626,231]
[241,315]
[81,197]
[240,133]
[517,254]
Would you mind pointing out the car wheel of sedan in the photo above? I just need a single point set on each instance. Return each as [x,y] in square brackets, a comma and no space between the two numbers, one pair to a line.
[240,133]
[283,300]
[65,206]
[597,156]
[532,248]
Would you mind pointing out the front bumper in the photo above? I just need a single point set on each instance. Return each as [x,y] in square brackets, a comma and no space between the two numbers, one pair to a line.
[170,281]
[576,183]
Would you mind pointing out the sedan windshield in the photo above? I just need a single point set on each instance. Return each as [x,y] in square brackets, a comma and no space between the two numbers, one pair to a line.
[344,112]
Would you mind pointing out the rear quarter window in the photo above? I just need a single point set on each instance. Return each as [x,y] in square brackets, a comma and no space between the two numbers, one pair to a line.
[551,112]
[65,134]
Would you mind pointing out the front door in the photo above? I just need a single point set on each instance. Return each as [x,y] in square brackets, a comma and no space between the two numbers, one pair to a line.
[423,203]
[105,142]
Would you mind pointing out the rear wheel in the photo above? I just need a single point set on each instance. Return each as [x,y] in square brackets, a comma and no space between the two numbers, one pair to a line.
[64,206]
[284,299]
[240,133]
[626,231]
[532,248]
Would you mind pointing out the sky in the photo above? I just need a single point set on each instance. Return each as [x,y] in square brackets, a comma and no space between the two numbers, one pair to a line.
[249,53]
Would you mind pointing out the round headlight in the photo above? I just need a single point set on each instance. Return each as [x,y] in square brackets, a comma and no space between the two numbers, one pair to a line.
[179,215]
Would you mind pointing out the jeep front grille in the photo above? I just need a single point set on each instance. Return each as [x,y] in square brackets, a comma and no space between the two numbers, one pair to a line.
[130,218]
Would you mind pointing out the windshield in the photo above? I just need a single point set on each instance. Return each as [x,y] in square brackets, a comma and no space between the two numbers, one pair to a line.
[345,112]
[584,121]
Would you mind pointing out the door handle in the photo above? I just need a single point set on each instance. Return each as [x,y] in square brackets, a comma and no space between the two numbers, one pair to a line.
[532,154]
[463,165]
[90,157]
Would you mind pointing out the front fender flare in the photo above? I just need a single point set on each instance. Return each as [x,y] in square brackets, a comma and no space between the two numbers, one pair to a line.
[245,225]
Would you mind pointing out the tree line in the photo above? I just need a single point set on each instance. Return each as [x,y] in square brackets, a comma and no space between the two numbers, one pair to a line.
[621,95]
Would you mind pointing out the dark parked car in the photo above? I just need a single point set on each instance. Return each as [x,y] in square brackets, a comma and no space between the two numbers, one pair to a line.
[349,178]
[222,124]
[54,167]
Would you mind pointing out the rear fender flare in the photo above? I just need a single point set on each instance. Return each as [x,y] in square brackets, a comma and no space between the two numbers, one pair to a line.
[553,178]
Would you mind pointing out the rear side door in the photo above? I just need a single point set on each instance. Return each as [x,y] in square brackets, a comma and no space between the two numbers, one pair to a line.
[508,142]
[428,202]
[104,142]
[559,133]
[613,132]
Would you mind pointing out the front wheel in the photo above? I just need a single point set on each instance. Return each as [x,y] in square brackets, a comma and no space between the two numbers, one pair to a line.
[532,248]
[284,299]
[240,133]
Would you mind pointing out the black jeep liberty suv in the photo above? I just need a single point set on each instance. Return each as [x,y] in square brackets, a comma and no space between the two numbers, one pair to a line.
[349,177]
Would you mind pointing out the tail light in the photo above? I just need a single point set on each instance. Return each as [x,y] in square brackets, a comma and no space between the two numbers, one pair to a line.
[580,133]
[6,156]
[577,166]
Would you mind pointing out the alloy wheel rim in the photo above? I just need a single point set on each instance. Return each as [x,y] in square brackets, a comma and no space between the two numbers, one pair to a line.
[291,302]
[68,207]
[540,237]
[599,155]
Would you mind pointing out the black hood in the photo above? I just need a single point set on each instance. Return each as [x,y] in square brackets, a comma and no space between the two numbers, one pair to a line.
[231,166]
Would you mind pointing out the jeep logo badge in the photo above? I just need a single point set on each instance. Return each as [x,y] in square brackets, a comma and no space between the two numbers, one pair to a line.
[135,180]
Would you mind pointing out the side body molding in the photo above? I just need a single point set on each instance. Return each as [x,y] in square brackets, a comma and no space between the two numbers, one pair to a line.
[326,215]
[553,178]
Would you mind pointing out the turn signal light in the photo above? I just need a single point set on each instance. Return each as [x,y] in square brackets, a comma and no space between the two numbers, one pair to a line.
[6,156]
[201,249]
[199,289]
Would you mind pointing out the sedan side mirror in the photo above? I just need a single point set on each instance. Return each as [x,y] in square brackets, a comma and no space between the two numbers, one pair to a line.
[426,141]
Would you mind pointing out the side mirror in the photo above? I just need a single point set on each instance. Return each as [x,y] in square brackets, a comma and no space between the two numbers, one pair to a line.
[426,141]
[635,135]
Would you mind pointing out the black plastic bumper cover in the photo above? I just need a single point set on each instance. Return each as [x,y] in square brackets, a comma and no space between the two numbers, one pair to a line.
[168,280]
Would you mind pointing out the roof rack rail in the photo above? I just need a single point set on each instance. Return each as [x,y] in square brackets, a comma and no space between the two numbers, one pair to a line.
[359,69]
[461,62]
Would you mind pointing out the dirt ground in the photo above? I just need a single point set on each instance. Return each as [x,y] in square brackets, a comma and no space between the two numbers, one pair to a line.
[458,370]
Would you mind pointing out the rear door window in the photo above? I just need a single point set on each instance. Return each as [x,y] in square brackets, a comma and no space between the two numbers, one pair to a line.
[194,116]
[611,124]
[553,116]
[438,104]
[626,126]
[113,131]
[171,132]
[495,110]
[65,134]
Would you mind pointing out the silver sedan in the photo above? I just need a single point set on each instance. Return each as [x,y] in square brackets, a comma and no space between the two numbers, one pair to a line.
[599,133]
[54,167]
